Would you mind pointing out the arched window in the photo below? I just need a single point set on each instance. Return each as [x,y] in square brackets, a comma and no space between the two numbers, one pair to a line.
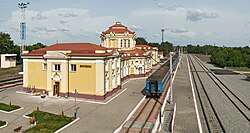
[121,43]
[128,43]
[124,43]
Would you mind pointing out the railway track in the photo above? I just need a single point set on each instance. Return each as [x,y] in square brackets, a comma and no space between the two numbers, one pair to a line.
[233,98]
[139,123]
[11,82]
[212,121]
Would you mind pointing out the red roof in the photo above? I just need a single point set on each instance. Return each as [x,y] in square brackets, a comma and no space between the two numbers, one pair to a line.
[77,49]
[118,28]
[160,53]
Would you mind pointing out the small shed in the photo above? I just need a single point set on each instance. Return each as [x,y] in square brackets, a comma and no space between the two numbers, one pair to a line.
[8,60]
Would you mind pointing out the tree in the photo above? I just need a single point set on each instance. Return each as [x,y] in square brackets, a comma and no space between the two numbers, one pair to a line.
[141,40]
[35,46]
[6,44]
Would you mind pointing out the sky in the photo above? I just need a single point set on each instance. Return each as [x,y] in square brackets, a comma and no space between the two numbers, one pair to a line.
[198,22]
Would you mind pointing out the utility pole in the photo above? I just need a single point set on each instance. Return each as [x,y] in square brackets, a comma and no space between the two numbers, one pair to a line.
[162,35]
[171,79]
[22,7]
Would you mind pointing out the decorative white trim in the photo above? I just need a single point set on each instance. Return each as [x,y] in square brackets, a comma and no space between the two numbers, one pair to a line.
[39,60]
[59,130]
[11,111]
[4,125]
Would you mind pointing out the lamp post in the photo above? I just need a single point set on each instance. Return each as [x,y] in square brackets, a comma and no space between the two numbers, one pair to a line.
[171,79]
[76,91]
[22,6]
[162,35]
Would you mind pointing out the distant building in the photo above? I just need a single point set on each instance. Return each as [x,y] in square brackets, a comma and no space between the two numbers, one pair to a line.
[8,60]
[160,55]
[136,61]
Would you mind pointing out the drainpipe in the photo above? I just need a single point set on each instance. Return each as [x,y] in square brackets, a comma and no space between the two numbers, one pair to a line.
[104,79]
[68,77]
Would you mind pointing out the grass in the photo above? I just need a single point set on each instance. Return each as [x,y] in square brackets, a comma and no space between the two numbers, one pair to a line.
[242,69]
[8,108]
[2,123]
[6,72]
[48,122]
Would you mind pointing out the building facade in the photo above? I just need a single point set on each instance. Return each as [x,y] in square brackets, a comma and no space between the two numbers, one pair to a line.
[61,68]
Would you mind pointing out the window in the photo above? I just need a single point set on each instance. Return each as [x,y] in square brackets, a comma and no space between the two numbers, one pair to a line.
[124,43]
[57,67]
[44,66]
[128,43]
[121,43]
[73,67]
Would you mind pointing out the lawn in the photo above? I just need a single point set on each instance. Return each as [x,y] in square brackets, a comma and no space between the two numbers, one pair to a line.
[2,123]
[6,72]
[8,107]
[48,122]
[243,69]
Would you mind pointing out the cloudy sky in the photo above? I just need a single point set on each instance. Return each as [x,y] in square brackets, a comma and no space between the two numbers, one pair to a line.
[223,22]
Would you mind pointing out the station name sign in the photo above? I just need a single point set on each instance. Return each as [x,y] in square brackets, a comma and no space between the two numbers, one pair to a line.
[85,66]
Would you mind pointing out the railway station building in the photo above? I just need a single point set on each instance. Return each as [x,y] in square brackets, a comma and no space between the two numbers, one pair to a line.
[61,68]
[95,71]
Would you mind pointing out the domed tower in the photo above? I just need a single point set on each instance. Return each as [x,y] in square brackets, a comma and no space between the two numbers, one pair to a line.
[119,37]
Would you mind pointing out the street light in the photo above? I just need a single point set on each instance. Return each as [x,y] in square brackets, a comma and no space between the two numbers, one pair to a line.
[171,79]
[76,92]
[162,35]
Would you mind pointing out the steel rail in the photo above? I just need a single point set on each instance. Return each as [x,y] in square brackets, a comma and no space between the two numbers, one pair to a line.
[242,112]
[210,103]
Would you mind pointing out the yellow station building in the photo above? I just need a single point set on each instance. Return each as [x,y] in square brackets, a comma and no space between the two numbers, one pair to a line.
[95,71]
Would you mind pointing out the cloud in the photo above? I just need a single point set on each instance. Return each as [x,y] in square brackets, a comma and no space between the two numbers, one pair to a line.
[198,15]
[136,27]
[38,16]
[62,21]
[51,26]
[163,5]
[178,30]
[67,15]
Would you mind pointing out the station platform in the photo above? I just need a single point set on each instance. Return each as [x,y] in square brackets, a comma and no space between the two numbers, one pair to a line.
[185,119]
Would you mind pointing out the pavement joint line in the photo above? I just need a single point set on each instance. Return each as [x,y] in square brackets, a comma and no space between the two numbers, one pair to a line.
[11,111]
[6,124]
[59,130]
[195,103]
[130,115]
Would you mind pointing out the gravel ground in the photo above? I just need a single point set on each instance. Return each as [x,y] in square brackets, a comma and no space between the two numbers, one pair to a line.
[232,119]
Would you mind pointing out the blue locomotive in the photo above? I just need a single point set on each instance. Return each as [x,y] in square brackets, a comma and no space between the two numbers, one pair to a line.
[156,82]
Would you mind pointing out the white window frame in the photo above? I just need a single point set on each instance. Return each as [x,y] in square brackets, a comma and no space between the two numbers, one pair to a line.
[54,67]
[72,68]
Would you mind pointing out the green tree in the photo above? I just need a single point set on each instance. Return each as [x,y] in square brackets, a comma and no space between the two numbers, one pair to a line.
[6,44]
[141,40]
[35,46]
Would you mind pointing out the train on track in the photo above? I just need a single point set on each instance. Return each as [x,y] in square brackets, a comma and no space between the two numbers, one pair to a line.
[156,82]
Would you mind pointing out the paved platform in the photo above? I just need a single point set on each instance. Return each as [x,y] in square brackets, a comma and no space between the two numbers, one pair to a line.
[94,117]
[185,119]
